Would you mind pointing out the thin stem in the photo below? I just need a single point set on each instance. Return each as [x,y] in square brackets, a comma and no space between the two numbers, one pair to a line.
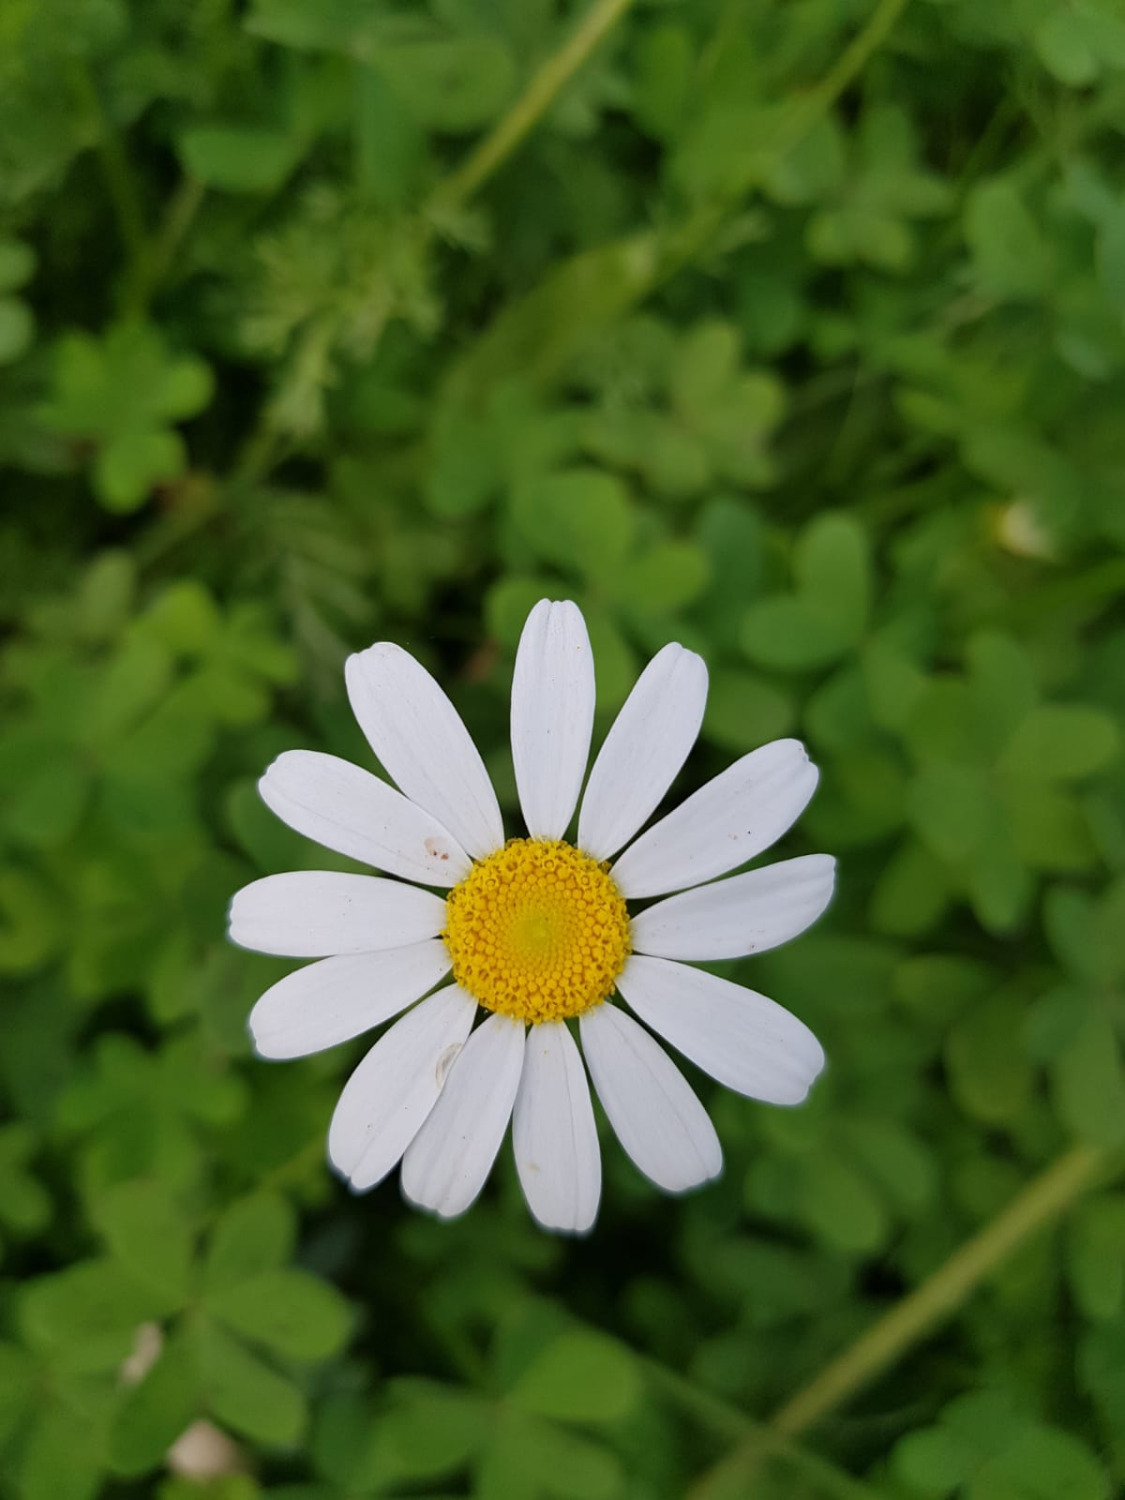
[116,169]
[540,93]
[727,1420]
[692,237]
[182,209]
[848,67]
[452,193]
[1044,1199]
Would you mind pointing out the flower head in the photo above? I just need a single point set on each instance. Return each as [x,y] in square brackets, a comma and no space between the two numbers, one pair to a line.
[537,931]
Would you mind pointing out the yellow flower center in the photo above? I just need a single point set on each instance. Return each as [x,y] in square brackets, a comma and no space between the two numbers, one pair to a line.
[537,930]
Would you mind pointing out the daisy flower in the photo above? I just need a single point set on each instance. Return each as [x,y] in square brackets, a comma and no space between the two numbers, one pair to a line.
[537,932]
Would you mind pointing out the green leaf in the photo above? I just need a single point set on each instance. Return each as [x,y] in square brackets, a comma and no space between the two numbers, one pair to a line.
[828,614]
[29,922]
[289,1311]
[17,264]
[507,606]
[529,1457]
[912,892]
[129,468]
[1064,50]
[1011,256]
[390,145]
[86,1316]
[745,710]
[667,577]
[577,518]
[1088,936]
[156,1411]
[254,1236]
[951,808]
[1062,742]
[17,1389]
[465,470]
[430,1431]
[1041,1464]
[999,886]
[662,87]
[840,1205]
[1101,1369]
[243,1392]
[64,1456]
[831,564]
[895,1159]
[892,680]
[616,662]
[134,681]
[733,536]
[1089,1082]
[1096,1256]
[17,329]
[581,1377]
[25,1207]
[1049,828]
[791,634]
[990,1077]
[1001,685]
[147,1232]
[451,85]
[239,158]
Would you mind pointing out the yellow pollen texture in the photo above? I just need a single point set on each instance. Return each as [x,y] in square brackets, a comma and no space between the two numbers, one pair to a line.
[537,930]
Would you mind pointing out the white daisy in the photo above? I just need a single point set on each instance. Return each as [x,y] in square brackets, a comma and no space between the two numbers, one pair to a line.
[536,931]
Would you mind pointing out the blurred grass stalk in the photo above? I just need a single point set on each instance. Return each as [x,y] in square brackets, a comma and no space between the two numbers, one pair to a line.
[450,197]
[1044,1200]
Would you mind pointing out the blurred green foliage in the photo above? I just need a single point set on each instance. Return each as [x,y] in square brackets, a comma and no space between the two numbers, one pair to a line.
[795,332]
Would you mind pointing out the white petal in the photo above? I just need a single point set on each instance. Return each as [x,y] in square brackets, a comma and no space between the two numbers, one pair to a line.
[746,914]
[645,747]
[349,810]
[552,715]
[730,820]
[309,913]
[658,1119]
[554,1135]
[331,1001]
[449,1159]
[751,1044]
[426,749]
[388,1097]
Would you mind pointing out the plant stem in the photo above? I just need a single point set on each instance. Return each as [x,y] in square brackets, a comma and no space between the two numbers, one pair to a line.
[116,169]
[1044,1199]
[723,1417]
[693,236]
[541,92]
[182,209]
[452,193]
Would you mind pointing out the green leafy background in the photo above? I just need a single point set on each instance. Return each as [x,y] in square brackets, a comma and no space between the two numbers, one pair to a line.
[792,331]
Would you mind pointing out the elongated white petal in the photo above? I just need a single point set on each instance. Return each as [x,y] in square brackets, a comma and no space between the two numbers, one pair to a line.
[647,744]
[554,1135]
[347,809]
[331,1001]
[552,715]
[751,1044]
[387,1098]
[746,914]
[310,913]
[657,1118]
[742,811]
[426,749]
[448,1161]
